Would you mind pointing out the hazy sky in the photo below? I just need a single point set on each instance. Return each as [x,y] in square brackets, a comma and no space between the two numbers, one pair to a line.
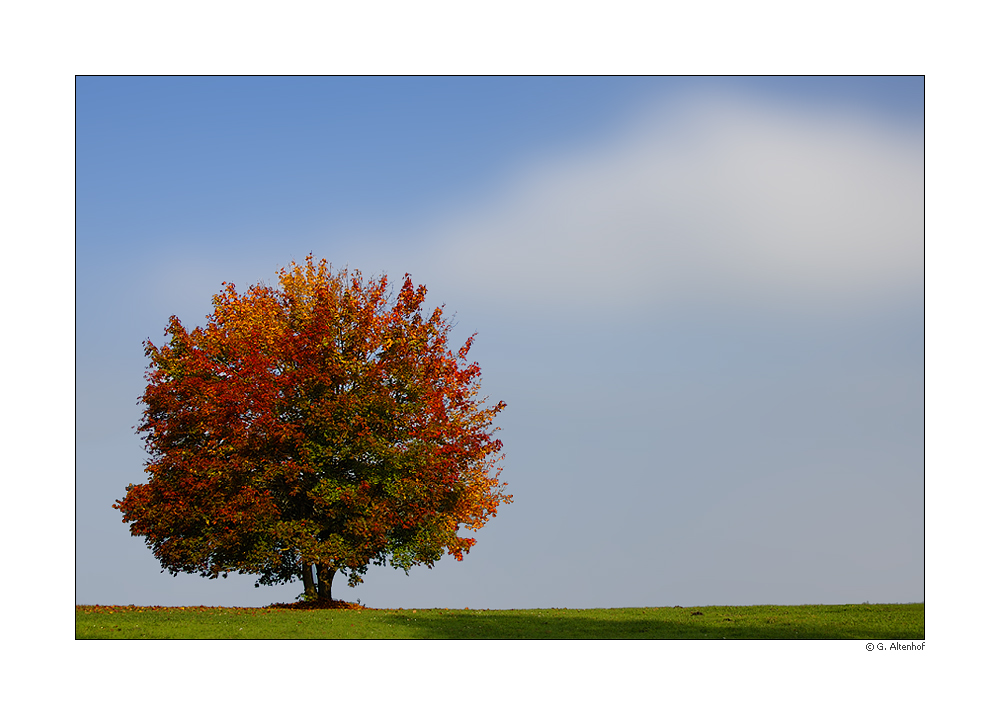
[702,300]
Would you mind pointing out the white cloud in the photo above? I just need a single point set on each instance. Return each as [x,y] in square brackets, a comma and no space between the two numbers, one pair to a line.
[710,199]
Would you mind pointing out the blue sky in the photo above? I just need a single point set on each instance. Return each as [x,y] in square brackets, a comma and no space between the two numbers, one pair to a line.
[702,300]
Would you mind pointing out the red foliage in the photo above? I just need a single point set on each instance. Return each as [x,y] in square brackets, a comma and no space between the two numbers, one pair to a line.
[314,605]
[320,423]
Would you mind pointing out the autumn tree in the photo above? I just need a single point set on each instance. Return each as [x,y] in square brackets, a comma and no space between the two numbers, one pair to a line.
[315,428]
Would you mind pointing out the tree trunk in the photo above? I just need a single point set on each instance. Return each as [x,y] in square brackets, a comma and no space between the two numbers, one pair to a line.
[309,586]
[324,574]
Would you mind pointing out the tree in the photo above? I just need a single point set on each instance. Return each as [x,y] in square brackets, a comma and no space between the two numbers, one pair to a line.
[311,429]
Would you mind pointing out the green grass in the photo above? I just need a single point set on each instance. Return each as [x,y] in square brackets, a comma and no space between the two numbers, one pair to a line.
[864,621]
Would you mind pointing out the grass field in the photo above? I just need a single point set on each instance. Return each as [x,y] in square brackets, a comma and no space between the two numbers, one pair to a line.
[864,621]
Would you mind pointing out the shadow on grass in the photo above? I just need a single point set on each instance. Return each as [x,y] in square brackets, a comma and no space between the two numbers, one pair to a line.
[760,623]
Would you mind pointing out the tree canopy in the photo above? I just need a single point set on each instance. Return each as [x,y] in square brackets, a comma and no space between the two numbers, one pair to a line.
[319,425]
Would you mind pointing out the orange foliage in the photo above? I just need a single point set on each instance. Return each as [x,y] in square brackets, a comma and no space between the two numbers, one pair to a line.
[322,423]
